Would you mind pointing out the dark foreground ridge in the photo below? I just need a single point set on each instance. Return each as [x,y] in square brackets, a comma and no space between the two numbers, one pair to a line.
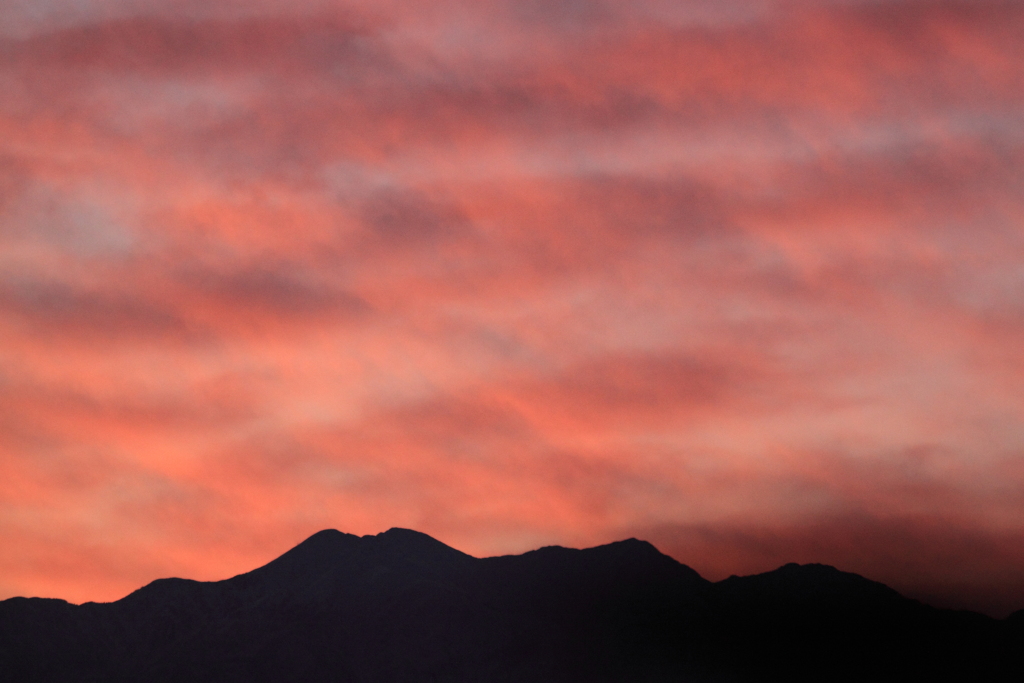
[403,607]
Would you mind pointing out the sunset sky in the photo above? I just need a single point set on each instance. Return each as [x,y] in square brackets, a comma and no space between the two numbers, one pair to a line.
[744,278]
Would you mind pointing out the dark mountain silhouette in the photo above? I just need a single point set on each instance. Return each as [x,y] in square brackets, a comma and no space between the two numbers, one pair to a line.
[403,607]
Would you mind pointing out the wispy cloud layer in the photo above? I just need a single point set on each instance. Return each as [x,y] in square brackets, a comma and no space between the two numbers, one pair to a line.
[741,277]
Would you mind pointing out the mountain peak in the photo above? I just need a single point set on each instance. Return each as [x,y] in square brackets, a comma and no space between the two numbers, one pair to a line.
[319,551]
[402,535]
[793,583]
[636,545]
[409,544]
[324,541]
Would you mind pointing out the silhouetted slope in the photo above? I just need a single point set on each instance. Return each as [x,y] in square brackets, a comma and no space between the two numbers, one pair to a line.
[401,606]
[816,622]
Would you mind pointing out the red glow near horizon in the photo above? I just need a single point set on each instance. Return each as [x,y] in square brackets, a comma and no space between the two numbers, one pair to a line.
[740,278]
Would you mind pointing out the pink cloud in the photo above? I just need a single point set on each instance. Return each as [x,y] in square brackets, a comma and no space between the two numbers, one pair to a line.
[740,276]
